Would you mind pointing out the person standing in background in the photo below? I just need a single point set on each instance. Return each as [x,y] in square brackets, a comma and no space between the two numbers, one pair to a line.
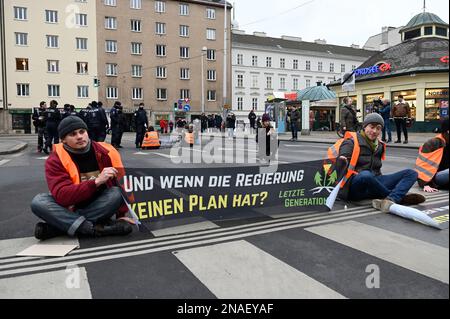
[401,112]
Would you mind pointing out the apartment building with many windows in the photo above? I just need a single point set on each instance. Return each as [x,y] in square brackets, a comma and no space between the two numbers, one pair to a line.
[263,65]
[51,54]
[151,52]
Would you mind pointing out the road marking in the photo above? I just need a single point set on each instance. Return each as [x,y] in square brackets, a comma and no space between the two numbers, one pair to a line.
[240,270]
[324,146]
[193,227]
[419,256]
[50,285]
[42,158]
[164,155]
[3,162]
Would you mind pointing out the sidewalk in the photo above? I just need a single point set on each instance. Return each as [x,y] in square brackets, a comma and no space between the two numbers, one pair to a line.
[11,146]
[415,139]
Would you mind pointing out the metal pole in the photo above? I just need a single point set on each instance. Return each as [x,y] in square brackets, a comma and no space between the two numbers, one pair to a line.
[225,54]
[203,84]
[3,55]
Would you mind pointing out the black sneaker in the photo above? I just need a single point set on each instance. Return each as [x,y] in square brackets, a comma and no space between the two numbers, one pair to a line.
[45,149]
[405,142]
[45,231]
[113,228]
[398,142]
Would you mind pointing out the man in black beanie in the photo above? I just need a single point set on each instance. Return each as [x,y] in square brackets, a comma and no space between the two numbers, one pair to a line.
[82,178]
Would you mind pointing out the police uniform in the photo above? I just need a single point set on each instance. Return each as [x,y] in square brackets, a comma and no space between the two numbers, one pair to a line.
[141,120]
[39,121]
[53,118]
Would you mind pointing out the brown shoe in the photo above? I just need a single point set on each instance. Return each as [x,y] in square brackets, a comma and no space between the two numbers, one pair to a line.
[412,199]
[382,204]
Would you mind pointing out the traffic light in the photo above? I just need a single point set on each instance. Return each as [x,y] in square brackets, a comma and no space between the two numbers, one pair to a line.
[175,106]
[96,82]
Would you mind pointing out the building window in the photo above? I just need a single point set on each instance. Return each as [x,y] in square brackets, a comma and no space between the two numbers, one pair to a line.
[184,52]
[111,46]
[295,64]
[111,69]
[211,13]
[332,67]
[111,23]
[137,94]
[112,92]
[21,38]
[342,67]
[112,3]
[308,83]
[240,103]
[282,63]
[53,90]
[211,75]
[254,60]
[81,43]
[268,62]
[240,59]
[160,50]
[81,19]
[184,9]
[412,34]
[160,6]
[160,28]
[136,48]
[295,84]
[82,67]
[211,55]
[320,66]
[136,4]
[82,91]
[20,13]
[52,41]
[240,80]
[161,72]
[269,83]
[184,74]
[254,81]
[21,64]
[428,31]
[211,95]
[136,25]
[51,16]
[436,104]
[161,94]
[254,103]
[184,31]
[23,89]
[53,66]
[441,31]
[308,65]
[185,94]
[136,71]
[282,83]
[211,34]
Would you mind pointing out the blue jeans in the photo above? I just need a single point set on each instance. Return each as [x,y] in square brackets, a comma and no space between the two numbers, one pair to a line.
[366,185]
[387,128]
[441,178]
[294,130]
[101,208]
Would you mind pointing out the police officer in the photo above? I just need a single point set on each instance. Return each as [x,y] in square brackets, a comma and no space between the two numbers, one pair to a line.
[117,124]
[39,122]
[53,118]
[69,110]
[141,120]
[104,122]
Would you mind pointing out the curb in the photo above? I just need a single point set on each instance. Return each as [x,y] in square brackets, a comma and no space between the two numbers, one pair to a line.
[16,149]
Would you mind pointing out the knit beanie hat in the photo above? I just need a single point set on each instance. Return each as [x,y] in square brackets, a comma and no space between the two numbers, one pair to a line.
[69,124]
[265,117]
[373,118]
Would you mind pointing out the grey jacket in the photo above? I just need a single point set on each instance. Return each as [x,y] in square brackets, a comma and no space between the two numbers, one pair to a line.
[348,119]
[367,161]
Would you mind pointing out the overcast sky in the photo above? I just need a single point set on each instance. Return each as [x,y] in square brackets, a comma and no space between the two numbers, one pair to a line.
[341,22]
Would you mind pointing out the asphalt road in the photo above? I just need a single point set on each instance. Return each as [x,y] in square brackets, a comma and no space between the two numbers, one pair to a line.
[263,255]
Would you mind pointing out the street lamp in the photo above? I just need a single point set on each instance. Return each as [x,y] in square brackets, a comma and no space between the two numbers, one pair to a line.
[204,50]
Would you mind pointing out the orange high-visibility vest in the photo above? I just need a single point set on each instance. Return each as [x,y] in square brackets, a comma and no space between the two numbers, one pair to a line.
[427,164]
[151,139]
[189,138]
[333,153]
[71,167]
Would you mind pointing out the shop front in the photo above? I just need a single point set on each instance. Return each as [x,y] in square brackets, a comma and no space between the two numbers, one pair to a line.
[436,104]
[21,120]
[370,102]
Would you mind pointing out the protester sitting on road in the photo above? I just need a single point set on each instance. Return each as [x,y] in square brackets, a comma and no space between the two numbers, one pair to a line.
[432,165]
[151,139]
[364,153]
[82,178]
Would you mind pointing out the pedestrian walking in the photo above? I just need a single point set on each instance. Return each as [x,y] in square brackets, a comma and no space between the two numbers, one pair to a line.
[231,125]
[401,112]
[385,112]
[141,121]
[264,135]
[39,121]
[349,118]
[294,117]
[252,120]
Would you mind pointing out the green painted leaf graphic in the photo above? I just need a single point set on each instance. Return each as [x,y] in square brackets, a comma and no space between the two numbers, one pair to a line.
[318,179]
[332,179]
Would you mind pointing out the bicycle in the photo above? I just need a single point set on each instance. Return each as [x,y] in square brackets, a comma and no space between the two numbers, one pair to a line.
[341,133]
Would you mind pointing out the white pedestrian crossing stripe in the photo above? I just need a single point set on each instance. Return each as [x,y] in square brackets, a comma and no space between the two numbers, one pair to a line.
[419,256]
[241,270]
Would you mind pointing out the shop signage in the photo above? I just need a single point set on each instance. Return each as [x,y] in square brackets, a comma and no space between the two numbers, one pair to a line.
[379,68]
[444,59]
[437,94]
